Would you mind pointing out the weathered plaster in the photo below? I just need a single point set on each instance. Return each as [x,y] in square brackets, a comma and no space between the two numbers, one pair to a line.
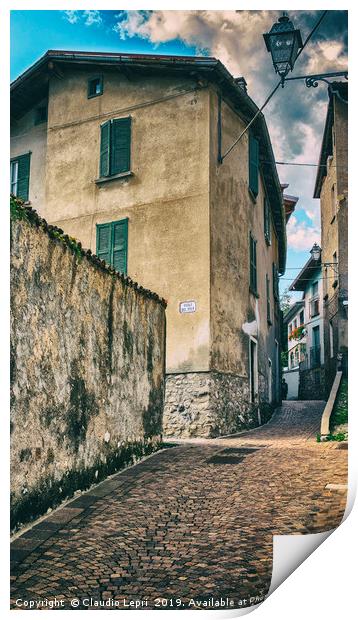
[87,360]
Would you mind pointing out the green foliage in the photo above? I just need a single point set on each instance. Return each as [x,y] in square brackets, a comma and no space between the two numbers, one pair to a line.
[340,411]
[284,359]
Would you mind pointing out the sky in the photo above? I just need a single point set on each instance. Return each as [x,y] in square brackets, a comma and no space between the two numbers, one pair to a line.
[295,115]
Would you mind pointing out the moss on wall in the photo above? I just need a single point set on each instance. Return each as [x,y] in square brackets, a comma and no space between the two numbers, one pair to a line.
[87,367]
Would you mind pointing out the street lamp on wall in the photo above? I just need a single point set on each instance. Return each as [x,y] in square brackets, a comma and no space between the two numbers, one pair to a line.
[315,252]
[283,42]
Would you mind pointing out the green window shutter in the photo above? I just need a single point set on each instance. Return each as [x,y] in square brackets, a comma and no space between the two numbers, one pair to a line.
[104,169]
[268,302]
[120,245]
[120,145]
[104,242]
[253,266]
[23,176]
[253,164]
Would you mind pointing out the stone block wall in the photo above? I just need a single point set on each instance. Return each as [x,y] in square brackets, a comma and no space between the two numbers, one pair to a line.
[87,367]
[207,404]
[312,384]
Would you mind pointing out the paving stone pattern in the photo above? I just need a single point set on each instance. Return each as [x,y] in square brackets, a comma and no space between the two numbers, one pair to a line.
[185,525]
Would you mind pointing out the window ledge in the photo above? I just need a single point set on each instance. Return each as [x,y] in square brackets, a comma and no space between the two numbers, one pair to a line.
[113,177]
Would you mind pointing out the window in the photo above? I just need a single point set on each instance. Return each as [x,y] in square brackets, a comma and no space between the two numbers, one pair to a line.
[253,164]
[268,301]
[302,317]
[20,176]
[276,293]
[267,222]
[40,115]
[333,201]
[95,86]
[314,289]
[334,267]
[115,147]
[253,265]
[112,244]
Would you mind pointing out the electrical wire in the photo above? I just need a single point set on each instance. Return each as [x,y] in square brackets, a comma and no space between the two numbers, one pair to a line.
[274,90]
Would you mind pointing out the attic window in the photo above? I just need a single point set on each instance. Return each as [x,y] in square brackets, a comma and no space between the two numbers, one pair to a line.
[41,114]
[95,86]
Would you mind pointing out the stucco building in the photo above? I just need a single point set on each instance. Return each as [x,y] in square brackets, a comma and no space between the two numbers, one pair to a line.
[305,332]
[124,153]
[332,189]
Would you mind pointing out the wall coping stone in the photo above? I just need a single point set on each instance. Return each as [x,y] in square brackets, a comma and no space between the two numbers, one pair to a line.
[22,211]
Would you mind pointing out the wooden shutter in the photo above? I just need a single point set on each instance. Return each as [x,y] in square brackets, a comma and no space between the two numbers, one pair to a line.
[104,242]
[253,267]
[23,176]
[120,145]
[104,169]
[253,164]
[120,245]
[268,301]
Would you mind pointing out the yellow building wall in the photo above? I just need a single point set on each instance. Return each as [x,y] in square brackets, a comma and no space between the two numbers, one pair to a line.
[235,312]
[166,200]
[25,137]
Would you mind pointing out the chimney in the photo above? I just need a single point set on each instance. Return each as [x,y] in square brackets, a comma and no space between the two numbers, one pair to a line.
[240,81]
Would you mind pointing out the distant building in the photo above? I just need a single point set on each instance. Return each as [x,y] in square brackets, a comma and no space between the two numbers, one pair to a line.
[310,352]
[332,189]
[123,152]
[294,321]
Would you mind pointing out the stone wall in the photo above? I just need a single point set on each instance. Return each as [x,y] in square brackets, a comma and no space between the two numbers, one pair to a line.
[312,384]
[207,404]
[87,367]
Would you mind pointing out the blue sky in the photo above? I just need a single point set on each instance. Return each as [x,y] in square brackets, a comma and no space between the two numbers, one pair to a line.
[295,116]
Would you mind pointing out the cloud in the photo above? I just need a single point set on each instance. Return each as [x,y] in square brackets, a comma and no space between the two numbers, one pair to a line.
[301,236]
[88,18]
[72,16]
[92,17]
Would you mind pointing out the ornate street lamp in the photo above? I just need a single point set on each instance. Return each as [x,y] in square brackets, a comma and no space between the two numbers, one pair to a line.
[284,42]
[316,252]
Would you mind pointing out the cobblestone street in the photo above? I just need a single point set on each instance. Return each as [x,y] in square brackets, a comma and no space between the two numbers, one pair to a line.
[191,522]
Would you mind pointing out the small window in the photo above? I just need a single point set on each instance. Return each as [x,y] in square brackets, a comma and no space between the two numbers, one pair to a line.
[314,289]
[302,317]
[115,148]
[267,222]
[112,244]
[20,176]
[95,86]
[253,265]
[333,201]
[41,114]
